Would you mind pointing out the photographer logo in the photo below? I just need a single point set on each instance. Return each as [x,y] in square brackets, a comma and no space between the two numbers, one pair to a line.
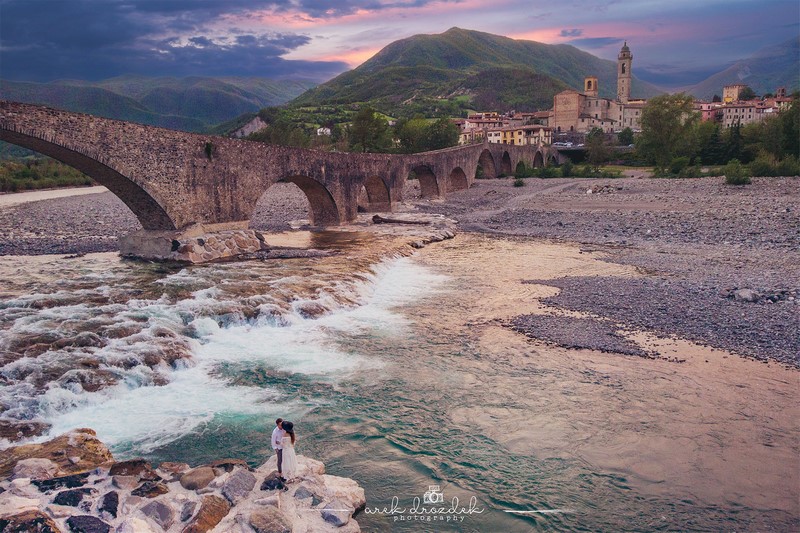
[433,495]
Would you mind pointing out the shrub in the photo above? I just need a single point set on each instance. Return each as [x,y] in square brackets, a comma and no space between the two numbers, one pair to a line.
[735,173]
[678,164]
[567,168]
[790,166]
[519,182]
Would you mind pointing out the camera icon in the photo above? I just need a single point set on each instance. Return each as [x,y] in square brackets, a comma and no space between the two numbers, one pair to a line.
[433,495]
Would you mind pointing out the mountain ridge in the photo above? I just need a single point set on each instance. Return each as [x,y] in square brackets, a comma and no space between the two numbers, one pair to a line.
[193,103]
[436,66]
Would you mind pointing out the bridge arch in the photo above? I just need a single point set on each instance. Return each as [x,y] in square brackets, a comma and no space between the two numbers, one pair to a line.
[322,206]
[147,209]
[457,180]
[428,185]
[376,194]
[505,165]
[538,160]
[486,162]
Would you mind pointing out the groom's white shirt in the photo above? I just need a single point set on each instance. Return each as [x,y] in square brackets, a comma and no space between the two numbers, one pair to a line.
[277,438]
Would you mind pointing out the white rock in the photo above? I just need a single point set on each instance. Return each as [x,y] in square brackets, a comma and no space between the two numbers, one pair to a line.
[62,511]
[22,487]
[136,525]
[18,503]
[269,501]
[35,469]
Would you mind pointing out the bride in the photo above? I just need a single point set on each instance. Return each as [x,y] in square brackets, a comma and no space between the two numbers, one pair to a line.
[289,457]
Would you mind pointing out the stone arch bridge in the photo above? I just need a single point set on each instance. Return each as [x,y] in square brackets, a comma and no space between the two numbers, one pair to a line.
[173,180]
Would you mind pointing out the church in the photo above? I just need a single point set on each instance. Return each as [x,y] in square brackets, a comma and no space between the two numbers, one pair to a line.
[579,112]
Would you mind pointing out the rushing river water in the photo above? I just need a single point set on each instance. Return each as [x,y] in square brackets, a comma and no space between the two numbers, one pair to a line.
[398,372]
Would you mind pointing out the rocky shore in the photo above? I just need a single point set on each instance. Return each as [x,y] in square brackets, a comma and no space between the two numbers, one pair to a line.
[73,484]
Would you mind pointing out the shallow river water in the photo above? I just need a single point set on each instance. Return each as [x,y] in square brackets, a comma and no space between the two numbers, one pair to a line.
[399,372]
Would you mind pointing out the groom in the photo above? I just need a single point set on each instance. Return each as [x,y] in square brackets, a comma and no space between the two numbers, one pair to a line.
[277,445]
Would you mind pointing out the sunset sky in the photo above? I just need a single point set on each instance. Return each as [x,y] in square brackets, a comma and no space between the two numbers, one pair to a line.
[674,42]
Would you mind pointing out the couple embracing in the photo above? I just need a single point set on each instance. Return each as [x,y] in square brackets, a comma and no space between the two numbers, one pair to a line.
[283,443]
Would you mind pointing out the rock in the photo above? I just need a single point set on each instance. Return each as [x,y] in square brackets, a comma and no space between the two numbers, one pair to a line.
[270,520]
[81,443]
[197,478]
[135,467]
[110,503]
[23,487]
[150,489]
[69,482]
[173,468]
[269,501]
[229,464]
[125,482]
[135,525]
[60,511]
[131,503]
[161,513]
[418,244]
[746,295]
[35,468]
[28,522]
[71,497]
[238,486]
[188,510]
[87,524]
[303,493]
[18,503]
[337,513]
[212,510]
[272,482]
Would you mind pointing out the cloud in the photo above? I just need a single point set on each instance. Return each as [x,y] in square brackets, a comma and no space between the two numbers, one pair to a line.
[575,32]
[95,39]
[595,42]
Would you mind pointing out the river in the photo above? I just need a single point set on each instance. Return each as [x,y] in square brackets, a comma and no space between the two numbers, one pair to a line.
[399,372]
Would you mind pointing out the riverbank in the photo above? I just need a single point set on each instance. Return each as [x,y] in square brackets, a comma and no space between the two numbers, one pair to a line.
[721,263]
[73,483]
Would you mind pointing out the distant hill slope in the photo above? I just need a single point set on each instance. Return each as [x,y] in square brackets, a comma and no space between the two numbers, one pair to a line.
[766,70]
[192,104]
[469,63]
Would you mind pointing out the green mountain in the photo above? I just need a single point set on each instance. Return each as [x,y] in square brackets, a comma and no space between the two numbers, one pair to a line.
[468,67]
[764,71]
[191,104]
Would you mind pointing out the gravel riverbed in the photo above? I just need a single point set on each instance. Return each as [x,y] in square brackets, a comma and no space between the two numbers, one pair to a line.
[720,264]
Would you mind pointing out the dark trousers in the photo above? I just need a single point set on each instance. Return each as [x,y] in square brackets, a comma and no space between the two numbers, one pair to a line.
[280,460]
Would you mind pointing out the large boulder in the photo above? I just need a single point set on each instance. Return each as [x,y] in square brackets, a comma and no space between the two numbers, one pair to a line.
[138,468]
[87,524]
[273,482]
[212,510]
[28,522]
[76,451]
[197,478]
[238,486]
[150,489]
[35,468]
[161,513]
[337,513]
[270,520]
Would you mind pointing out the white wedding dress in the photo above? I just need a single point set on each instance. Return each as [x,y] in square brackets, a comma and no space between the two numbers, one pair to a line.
[289,463]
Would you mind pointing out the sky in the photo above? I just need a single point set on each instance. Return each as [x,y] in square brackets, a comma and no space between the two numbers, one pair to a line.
[674,43]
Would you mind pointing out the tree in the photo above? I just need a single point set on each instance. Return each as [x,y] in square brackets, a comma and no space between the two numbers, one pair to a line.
[716,99]
[625,137]
[443,133]
[667,124]
[370,132]
[747,94]
[597,151]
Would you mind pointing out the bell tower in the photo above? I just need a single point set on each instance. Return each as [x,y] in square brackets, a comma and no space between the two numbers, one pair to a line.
[624,61]
[590,87]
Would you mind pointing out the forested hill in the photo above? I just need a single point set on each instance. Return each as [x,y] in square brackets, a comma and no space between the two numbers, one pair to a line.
[465,68]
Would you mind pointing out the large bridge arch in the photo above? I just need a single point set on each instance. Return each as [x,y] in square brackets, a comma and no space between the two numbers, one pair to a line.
[538,161]
[487,164]
[377,194]
[428,185]
[506,167]
[457,180]
[322,206]
[150,213]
